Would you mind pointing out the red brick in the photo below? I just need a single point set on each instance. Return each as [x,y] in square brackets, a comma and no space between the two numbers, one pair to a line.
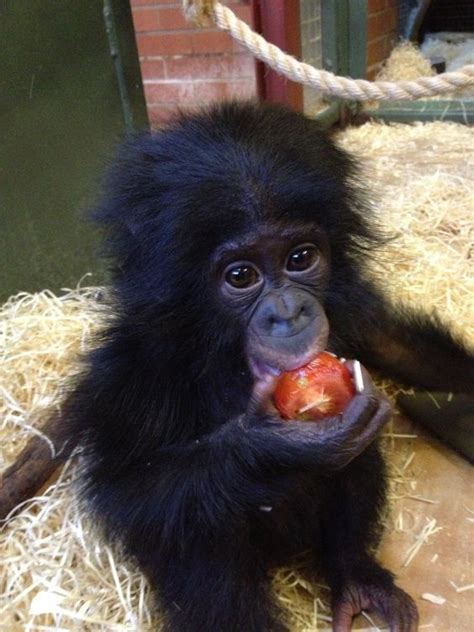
[378,50]
[391,19]
[375,51]
[232,66]
[169,92]
[380,23]
[184,93]
[209,91]
[242,11]
[174,19]
[373,71]
[157,45]
[173,7]
[391,40]
[156,3]
[213,42]
[376,5]
[375,26]
[140,16]
[162,19]
[153,68]
[145,19]
[160,114]
[243,89]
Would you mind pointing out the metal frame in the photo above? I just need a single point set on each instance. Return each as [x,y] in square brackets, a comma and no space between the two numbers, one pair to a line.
[344,38]
[408,111]
[279,23]
[343,43]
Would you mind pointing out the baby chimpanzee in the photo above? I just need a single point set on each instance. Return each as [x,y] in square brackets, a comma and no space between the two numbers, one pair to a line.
[239,240]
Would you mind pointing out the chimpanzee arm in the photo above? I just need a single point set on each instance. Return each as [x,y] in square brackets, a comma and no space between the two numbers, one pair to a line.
[420,350]
[185,510]
[247,462]
[408,345]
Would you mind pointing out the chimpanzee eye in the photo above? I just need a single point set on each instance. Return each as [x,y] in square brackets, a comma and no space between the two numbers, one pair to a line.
[242,276]
[302,258]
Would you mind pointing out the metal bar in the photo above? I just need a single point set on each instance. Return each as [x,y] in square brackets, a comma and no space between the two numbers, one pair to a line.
[329,36]
[402,111]
[117,61]
[279,23]
[358,13]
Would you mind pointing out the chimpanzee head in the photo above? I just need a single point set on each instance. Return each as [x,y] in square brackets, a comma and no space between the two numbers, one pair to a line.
[229,230]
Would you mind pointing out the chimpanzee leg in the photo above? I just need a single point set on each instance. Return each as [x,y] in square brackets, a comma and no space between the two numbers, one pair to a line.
[351,528]
[223,593]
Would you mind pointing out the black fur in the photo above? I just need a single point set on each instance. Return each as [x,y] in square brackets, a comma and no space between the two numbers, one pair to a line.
[174,466]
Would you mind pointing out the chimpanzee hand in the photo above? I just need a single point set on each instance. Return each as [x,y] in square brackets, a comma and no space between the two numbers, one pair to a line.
[334,441]
[389,601]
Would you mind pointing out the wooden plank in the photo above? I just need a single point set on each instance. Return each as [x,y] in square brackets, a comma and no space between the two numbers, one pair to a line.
[437,474]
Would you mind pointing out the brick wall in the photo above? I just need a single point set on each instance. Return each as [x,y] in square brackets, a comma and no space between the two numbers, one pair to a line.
[382,36]
[184,66]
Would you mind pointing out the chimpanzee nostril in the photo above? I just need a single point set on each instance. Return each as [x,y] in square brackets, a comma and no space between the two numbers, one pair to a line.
[284,314]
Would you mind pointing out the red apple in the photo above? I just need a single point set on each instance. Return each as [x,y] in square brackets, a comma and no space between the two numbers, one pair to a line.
[321,388]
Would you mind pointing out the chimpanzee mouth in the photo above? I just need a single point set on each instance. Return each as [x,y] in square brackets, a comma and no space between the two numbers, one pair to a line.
[275,364]
[266,359]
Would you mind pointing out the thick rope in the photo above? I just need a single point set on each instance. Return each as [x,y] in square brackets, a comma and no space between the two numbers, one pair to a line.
[202,11]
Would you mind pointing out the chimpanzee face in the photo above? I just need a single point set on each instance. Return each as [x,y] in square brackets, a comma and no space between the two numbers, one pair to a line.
[273,280]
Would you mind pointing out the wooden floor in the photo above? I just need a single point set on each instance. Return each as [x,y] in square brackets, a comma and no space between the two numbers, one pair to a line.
[446,560]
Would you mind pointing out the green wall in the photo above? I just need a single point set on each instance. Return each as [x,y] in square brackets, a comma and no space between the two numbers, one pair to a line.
[61,115]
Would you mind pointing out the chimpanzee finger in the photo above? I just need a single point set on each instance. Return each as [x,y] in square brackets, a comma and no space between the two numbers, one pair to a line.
[342,618]
[355,432]
[261,398]
[372,428]
[345,428]
[360,410]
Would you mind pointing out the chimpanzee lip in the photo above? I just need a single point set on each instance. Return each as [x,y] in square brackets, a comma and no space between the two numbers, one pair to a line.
[275,364]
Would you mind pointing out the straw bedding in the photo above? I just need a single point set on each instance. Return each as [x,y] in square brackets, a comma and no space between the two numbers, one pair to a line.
[407,62]
[55,573]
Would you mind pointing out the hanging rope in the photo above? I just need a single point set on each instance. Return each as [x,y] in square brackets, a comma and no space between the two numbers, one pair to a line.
[206,11]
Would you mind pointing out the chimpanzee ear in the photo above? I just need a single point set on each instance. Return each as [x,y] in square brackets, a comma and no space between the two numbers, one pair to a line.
[130,186]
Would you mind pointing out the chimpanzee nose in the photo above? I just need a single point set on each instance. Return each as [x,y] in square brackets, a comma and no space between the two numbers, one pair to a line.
[285,314]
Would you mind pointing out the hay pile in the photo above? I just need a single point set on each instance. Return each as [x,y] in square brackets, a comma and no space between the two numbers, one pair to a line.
[55,573]
[406,63]
[423,179]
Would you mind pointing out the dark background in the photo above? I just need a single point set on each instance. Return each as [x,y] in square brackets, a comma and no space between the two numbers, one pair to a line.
[65,103]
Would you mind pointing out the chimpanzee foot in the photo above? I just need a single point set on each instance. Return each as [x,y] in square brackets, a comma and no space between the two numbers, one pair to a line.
[390,602]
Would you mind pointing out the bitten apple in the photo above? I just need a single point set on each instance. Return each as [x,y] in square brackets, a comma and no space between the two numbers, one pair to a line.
[321,388]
